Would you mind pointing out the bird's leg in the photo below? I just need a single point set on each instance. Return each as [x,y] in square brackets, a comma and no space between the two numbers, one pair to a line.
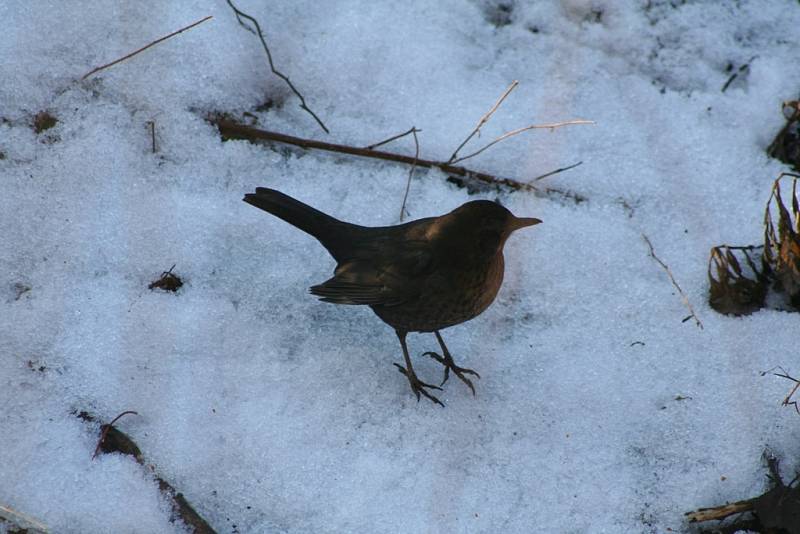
[447,360]
[417,386]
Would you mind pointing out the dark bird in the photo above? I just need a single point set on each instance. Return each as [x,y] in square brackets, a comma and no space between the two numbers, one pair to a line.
[421,276]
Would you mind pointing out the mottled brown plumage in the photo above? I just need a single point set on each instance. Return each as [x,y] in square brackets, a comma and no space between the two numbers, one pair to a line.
[421,276]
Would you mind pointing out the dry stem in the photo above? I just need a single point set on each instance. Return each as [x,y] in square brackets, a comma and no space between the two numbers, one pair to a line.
[410,172]
[720,512]
[393,138]
[512,133]
[145,47]
[153,134]
[686,302]
[740,70]
[787,401]
[106,428]
[484,120]
[232,130]
[257,31]
[122,443]
[551,173]
[25,522]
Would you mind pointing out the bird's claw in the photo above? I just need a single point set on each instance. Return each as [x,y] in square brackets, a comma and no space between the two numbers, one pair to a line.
[449,364]
[418,386]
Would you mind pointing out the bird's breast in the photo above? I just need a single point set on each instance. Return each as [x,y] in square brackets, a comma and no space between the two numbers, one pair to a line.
[484,285]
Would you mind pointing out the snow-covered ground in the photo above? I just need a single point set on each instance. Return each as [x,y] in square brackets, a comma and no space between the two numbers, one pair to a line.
[274,412]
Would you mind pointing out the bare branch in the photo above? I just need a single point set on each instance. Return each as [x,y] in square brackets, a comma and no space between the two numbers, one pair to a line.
[232,130]
[551,173]
[145,47]
[257,31]
[787,401]
[25,523]
[518,131]
[742,69]
[120,442]
[484,120]
[152,125]
[108,427]
[720,512]
[410,172]
[686,302]
[398,136]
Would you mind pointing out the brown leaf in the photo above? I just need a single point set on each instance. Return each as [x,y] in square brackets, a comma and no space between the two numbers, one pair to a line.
[735,291]
[782,250]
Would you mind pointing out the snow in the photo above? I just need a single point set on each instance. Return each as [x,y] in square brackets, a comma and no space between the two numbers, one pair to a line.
[273,412]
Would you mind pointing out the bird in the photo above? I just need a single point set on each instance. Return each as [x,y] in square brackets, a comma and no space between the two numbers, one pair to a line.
[421,276]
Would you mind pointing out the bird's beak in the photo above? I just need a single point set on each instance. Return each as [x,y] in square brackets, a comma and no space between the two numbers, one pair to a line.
[521,222]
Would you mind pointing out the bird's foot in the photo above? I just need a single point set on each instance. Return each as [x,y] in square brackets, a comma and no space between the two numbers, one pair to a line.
[418,386]
[450,364]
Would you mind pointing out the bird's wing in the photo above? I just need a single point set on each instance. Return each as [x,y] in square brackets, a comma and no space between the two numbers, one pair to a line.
[380,275]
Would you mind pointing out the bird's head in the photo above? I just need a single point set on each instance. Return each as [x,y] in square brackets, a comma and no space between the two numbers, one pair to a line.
[488,224]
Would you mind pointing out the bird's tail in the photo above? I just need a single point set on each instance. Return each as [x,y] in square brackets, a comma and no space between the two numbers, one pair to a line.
[331,232]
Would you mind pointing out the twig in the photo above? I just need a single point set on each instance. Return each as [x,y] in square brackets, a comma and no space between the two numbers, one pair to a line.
[25,522]
[145,47]
[108,427]
[484,120]
[674,283]
[168,281]
[721,512]
[232,130]
[122,443]
[733,76]
[257,31]
[787,401]
[153,134]
[512,133]
[410,172]
[551,173]
[398,136]
[773,511]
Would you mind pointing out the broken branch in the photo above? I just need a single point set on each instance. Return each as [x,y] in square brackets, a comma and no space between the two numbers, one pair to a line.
[484,120]
[398,136]
[518,131]
[232,130]
[686,302]
[787,401]
[551,173]
[152,125]
[773,511]
[25,523]
[107,428]
[190,26]
[742,69]
[410,172]
[122,443]
[276,72]
[720,512]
